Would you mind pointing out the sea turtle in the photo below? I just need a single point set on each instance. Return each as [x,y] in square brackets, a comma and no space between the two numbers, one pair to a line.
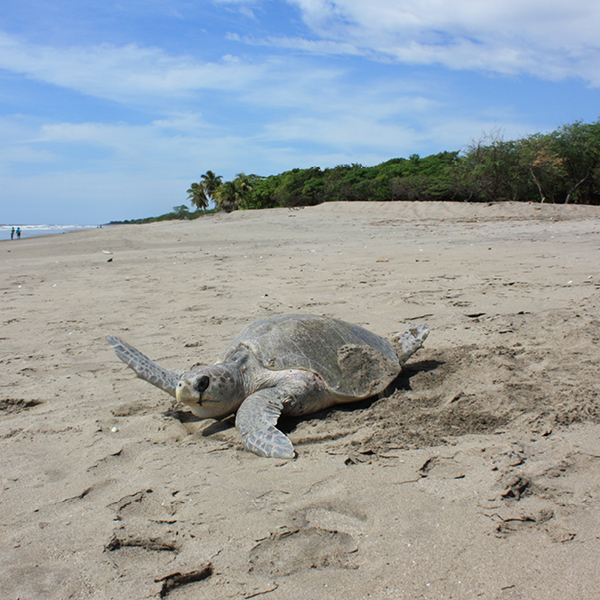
[287,364]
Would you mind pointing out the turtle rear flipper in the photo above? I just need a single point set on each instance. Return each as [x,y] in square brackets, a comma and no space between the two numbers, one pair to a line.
[145,368]
[409,341]
[256,419]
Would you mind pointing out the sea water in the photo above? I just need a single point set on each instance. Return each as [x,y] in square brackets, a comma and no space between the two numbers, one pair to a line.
[28,231]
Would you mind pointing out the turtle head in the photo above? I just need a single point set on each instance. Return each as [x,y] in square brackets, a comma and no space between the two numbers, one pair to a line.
[211,392]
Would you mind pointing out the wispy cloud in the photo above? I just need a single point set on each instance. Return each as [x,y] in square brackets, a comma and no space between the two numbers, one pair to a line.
[124,73]
[322,47]
[545,38]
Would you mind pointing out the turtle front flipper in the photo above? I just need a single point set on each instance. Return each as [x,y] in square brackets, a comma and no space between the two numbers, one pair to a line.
[145,368]
[256,419]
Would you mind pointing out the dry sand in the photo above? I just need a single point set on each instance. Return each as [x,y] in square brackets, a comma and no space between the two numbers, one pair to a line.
[476,476]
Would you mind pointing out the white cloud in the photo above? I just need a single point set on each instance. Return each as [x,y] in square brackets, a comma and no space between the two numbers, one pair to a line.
[350,133]
[242,6]
[550,39]
[325,47]
[123,73]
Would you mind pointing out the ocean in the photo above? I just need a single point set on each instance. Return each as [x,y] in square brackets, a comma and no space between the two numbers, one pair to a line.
[28,231]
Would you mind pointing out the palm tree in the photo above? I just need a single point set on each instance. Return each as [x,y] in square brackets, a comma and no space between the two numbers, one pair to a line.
[243,185]
[231,194]
[197,196]
[227,196]
[211,183]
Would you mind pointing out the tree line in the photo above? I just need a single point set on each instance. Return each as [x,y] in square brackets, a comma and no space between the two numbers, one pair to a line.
[561,167]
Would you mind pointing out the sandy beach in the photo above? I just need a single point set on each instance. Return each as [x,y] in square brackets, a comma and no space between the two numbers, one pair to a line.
[476,475]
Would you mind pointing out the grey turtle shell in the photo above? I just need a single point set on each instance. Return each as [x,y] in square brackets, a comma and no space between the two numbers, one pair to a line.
[352,361]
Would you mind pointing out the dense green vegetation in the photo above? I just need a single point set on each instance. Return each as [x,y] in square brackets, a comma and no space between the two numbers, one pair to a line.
[558,167]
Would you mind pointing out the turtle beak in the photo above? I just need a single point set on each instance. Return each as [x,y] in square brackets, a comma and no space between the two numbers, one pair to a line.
[184,393]
[190,389]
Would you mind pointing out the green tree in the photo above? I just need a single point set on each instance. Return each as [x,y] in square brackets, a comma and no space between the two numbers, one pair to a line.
[544,166]
[578,145]
[246,185]
[492,170]
[202,194]
[232,195]
[181,212]
[227,196]
[263,192]
[210,184]
[197,196]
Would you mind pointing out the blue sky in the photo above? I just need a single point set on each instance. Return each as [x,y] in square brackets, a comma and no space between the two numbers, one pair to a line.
[110,110]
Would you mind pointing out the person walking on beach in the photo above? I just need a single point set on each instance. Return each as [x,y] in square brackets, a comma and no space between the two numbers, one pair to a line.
[12,233]
[18,233]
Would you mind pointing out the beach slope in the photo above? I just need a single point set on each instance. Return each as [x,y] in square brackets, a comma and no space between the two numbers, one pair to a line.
[476,475]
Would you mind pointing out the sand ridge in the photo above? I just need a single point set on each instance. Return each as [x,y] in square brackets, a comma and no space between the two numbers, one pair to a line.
[475,475]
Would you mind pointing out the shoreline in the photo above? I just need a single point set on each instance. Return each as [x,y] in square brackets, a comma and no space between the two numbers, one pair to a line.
[47,230]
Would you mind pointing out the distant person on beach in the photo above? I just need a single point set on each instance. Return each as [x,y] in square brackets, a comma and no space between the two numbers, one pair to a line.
[18,233]
[12,233]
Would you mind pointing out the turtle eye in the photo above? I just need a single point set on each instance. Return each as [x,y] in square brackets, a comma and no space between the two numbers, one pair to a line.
[201,384]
